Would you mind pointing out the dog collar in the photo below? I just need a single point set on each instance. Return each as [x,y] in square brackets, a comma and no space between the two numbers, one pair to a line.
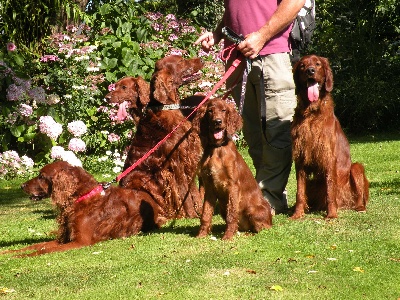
[98,189]
[170,107]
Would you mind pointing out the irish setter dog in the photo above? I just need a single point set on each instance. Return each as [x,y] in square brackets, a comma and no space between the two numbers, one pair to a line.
[168,174]
[326,177]
[130,93]
[225,175]
[97,216]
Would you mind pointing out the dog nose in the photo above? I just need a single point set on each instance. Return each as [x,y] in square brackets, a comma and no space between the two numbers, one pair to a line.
[218,122]
[310,71]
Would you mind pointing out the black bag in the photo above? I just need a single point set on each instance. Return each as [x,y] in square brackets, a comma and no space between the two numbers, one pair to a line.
[303,29]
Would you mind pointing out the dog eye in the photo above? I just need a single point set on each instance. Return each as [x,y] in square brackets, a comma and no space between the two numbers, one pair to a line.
[123,87]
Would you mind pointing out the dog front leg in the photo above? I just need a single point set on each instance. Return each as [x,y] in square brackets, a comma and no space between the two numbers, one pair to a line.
[331,183]
[301,198]
[232,213]
[208,211]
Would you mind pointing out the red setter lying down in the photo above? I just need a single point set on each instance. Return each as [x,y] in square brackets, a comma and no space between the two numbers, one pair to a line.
[326,177]
[168,174]
[225,175]
[114,213]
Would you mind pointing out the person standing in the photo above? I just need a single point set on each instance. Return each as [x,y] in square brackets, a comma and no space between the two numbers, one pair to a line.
[269,92]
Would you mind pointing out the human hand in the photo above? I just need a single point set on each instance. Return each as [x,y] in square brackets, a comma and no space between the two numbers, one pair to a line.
[252,44]
[207,41]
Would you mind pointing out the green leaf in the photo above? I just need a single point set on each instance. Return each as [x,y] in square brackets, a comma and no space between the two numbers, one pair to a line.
[18,59]
[17,130]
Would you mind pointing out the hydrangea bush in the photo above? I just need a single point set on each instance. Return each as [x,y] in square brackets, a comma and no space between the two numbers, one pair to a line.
[52,105]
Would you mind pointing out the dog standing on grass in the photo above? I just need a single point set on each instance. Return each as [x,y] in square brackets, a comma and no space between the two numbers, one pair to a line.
[326,177]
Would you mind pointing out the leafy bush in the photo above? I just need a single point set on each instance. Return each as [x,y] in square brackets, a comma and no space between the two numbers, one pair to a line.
[52,105]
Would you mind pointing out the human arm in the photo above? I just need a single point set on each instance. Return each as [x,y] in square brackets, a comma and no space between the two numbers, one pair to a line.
[284,15]
[209,39]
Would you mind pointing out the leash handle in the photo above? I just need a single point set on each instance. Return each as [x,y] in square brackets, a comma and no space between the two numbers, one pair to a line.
[234,65]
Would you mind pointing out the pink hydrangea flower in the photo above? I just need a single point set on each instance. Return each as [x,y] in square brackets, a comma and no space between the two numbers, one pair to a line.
[71,158]
[57,152]
[25,110]
[77,128]
[27,161]
[77,145]
[46,58]
[48,126]
[112,137]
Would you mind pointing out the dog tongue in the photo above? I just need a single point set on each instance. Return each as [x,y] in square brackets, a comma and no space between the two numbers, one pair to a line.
[219,135]
[122,114]
[313,92]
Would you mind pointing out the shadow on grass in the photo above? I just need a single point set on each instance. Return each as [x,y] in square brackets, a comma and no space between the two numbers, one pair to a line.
[11,196]
[27,241]
[387,187]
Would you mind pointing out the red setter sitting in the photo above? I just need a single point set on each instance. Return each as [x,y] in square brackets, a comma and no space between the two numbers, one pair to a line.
[114,213]
[168,174]
[132,93]
[225,175]
[326,177]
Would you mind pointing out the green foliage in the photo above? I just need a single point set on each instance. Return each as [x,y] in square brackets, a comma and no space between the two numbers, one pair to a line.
[69,81]
[26,22]
[361,39]
[354,257]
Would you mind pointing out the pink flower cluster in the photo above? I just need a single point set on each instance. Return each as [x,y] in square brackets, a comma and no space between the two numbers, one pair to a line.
[77,145]
[12,165]
[58,152]
[46,58]
[25,110]
[48,126]
[77,128]
[112,137]
[111,87]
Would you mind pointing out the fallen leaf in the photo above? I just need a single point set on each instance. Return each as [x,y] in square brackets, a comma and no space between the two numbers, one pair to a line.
[358,269]
[251,271]
[5,290]
[333,247]
[277,288]
[312,272]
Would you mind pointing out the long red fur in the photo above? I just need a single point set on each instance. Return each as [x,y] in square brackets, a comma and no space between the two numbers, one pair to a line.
[326,177]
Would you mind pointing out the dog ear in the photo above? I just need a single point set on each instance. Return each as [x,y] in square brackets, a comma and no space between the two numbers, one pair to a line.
[163,87]
[198,119]
[296,75]
[234,119]
[143,90]
[64,186]
[328,74]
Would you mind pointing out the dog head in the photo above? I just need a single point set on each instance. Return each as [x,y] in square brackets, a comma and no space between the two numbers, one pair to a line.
[312,76]
[132,93]
[170,73]
[217,120]
[59,178]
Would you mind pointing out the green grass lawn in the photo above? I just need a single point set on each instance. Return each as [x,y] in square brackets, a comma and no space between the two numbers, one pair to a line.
[356,256]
